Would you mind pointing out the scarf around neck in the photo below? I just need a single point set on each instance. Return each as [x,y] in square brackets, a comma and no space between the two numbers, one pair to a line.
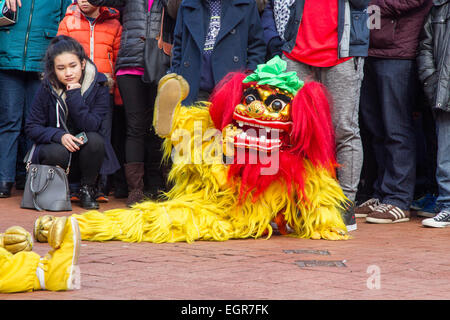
[281,13]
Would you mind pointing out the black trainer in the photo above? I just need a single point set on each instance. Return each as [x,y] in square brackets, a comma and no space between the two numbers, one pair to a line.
[349,216]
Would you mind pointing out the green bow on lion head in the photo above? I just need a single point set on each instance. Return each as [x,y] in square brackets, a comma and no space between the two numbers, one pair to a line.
[272,74]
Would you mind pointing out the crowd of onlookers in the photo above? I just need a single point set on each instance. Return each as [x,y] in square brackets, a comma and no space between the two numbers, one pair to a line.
[92,66]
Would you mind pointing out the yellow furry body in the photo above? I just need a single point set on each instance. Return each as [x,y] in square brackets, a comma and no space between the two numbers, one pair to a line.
[203,206]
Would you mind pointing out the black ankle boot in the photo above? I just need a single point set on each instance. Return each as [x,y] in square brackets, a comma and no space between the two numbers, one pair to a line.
[87,197]
[5,189]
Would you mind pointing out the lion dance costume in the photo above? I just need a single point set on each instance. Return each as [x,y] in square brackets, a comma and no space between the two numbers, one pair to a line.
[260,155]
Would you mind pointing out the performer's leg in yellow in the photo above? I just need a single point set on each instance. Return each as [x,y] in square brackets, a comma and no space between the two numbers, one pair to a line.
[18,271]
[58,270]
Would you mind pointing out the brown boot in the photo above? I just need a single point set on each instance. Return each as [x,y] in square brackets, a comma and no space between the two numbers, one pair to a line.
[134,173]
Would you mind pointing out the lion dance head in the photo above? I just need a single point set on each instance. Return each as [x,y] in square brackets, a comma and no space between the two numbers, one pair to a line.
[274,113]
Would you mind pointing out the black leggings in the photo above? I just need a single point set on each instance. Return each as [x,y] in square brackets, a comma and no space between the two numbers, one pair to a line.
[86,162]
[138,100]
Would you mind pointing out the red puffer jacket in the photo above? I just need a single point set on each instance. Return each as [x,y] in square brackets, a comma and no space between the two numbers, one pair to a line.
[100,40]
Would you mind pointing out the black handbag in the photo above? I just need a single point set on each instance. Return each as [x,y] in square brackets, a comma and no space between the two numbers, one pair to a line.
[46,187]
[156,57]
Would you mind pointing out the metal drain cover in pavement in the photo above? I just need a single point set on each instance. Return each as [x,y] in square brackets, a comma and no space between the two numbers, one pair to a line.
[302,251]
[320,263]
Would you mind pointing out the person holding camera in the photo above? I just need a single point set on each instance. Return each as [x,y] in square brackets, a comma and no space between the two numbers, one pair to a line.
[23,42]
[68,115]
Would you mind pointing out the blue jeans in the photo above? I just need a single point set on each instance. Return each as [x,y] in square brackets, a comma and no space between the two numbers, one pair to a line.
[388,94]
[443,159]
[17,90]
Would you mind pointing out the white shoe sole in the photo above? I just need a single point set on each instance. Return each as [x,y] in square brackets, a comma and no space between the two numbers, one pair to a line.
[352,227]
[360,215]
[385,221]
[433,224]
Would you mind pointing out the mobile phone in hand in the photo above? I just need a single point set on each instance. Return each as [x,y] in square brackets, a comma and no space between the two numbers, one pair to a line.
[83,137]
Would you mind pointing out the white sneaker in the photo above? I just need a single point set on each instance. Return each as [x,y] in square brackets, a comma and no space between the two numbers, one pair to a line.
[440,221]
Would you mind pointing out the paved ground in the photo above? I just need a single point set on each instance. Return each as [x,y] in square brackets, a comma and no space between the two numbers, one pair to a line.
[401,261]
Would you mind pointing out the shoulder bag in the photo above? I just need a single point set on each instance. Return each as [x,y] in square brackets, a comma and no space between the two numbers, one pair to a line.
[46,187]
[156,57]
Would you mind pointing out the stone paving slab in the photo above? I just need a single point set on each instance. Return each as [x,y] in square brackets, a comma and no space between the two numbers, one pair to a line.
[382,262]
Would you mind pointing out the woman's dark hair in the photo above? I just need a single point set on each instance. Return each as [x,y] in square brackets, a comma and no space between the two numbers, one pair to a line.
[61,44]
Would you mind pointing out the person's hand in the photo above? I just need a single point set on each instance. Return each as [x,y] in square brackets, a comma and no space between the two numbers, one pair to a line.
[70,142]
[71,86]
[13,4]
[274,47]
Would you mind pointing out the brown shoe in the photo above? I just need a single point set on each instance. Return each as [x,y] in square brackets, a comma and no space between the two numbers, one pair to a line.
[367,207]
[134,173]
[387,213]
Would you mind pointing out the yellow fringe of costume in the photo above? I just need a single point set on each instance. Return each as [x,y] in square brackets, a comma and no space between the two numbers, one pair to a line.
[203,206]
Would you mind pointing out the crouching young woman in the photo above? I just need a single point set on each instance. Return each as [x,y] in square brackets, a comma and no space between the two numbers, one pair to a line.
[73,99]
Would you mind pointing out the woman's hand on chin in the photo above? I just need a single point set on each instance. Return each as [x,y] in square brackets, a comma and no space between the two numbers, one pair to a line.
[71,86]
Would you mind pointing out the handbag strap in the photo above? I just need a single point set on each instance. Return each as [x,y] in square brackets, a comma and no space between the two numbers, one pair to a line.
[29,156]
[34,193]
[70,153]
[166,47]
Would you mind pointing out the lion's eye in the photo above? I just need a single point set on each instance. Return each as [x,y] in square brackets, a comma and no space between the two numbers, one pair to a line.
[249,99]
[277,105]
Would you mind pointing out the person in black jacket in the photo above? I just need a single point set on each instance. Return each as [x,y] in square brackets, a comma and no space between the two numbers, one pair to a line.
[433,63]
[73,98]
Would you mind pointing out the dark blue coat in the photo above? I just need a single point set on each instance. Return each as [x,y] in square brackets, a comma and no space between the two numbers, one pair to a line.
[87,113]
[239,45]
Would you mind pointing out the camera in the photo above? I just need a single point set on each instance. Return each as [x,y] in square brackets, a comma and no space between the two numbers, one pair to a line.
[7,16]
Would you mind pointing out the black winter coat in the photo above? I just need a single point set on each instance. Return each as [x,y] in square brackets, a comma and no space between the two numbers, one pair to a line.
[137,25]
[433,60]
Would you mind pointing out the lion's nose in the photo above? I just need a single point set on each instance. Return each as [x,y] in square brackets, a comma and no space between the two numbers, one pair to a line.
[256,108]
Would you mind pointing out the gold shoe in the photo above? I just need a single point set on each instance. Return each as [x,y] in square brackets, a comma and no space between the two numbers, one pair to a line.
[59,269]
[16,239]
[172,89]
[41,227]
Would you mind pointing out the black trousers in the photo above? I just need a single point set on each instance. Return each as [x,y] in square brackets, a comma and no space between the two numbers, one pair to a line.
[118,136]
[86,162]
[138,100]
[142,144]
